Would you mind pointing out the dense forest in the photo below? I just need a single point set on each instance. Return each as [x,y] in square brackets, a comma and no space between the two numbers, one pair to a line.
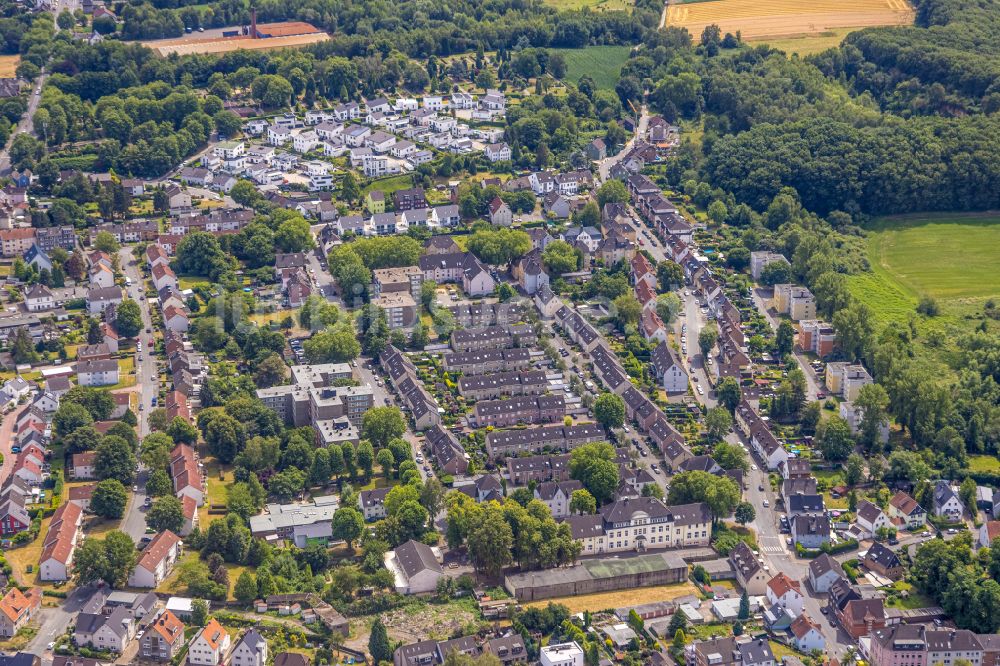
[418,29]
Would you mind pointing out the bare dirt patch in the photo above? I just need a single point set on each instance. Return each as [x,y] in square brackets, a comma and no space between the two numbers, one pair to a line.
[609,600]
[757,20]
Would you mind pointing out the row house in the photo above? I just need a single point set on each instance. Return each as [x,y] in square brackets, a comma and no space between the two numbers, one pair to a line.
[450,456]
[540,468]
[463,268]
[486,314]
[506,443]
[490,361]
[762,440]
[504,384]
[519,410]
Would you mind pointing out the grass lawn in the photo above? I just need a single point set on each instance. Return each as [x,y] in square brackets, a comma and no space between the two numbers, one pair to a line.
[781,651]
[984,464]
[265,318]
[913,600]
[805,44]
[601,63]
[706,631]
[216,489]
[949,257]
[389,185]
[191,281]
[606,600]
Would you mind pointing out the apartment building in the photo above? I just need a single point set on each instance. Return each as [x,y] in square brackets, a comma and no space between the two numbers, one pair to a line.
[641,524]
[487,387]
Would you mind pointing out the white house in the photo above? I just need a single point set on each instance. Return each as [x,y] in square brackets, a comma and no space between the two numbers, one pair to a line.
[97,373]
[787,593]
[304,142]
[669,370]
[871,518]
[250,650]
[278,136]
[209,646]
[110,632]
[497,152]
[807,635]
[415,567]
[563,654]
[157,560]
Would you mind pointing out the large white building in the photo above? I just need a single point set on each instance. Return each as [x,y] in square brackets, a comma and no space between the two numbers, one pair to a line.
[562,654]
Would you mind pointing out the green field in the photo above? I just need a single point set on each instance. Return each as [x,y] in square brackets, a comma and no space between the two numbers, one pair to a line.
[804,44]
[952,258]
[594,5]
[601,63]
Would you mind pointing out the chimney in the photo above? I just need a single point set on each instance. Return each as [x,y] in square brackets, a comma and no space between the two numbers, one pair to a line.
[253,23]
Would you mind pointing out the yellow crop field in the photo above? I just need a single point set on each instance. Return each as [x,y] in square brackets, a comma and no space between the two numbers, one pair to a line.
[188,46]
[759,19]
[8,64]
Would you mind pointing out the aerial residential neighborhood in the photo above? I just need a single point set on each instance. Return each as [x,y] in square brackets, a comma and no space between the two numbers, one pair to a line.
[570,334]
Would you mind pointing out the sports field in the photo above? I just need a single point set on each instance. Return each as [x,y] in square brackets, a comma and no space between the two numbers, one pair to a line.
[757,19]
[952,258]
[619,598]
[273,36]
[601,63]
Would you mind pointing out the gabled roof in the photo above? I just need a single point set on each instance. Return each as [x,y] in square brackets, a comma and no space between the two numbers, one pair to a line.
[781,584]
[414,557]
[167,626]
[157,550]
[213,634]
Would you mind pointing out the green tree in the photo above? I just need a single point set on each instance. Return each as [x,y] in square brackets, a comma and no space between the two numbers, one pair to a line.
[109,499]
[707,338]
[784,339]
[98,402]
[873,401]
[854,470]
[110,559]
[385,461]
[612,191]
[246,588]
[379,646]
[667,306]
[348,524]
[719,492]
[379,425]
[744,513]
[609,410]
[199,612]
[729,393]
[560,257]
[272,371]
[594,466]
[718,422]
[834,438]
[490,542]
[114,459]
[167,513]
[582,502]
[731,456]
[744,612]
[128,318]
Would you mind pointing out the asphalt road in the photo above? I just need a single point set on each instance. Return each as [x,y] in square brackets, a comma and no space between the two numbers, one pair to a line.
[604,166]
[147,383]
[814,386]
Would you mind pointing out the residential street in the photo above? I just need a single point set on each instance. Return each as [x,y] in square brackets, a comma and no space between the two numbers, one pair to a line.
[147,384]
[813,384]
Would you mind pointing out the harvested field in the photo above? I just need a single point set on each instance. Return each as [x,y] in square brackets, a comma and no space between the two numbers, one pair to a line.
[606,600]
[8,64]
[780,18]
[192,45]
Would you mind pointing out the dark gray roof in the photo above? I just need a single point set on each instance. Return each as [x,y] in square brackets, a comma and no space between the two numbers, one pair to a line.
[802,503]
[253,640]
[756,652]
[883,556]
[585,526]
[414,557]
[823,564]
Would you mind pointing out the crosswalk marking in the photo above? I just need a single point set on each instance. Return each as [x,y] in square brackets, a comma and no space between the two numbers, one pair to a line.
[772,549]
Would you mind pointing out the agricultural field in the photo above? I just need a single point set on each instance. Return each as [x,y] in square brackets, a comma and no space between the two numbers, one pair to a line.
[8,64]
[601,63]
[787,18]
[950,257]
[806,44]
[193,45]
